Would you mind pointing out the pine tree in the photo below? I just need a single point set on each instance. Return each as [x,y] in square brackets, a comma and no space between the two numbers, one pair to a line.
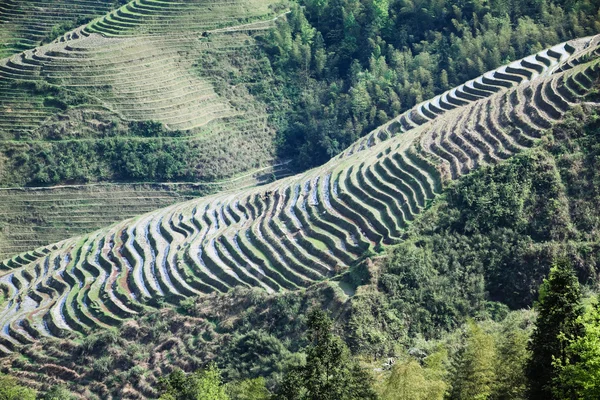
[329,372]
[581,373]
[511,358]
[558,324]
[475,372]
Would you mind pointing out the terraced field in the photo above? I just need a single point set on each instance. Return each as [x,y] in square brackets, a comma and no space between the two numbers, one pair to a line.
[133,79]
[299,230]
[143,72]
[159,17]
[557,58]
[34,217]
[25,24]
[136,63]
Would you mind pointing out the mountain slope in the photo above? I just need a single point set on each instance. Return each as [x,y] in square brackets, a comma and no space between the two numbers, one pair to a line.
[38,216]
[138,77]
[139,72]
[130,105]
[296,231]
[24,24]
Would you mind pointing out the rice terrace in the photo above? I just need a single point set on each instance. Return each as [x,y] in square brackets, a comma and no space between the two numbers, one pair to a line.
[185,184]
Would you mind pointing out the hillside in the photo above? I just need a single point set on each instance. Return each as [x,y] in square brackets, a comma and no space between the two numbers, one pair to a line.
[299,200]
[31,217]
[76,98]
[461,259]
[127,99]
[171,93]
[26,24]
[300,230]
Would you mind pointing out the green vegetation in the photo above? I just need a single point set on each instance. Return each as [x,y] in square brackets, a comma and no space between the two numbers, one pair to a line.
[11,390]
[200,385]
[58,393]
[63,27]
[248,389]
[474,367]
[348,66]
[111,159]
[411,379]
[470,363]
[439,352]
[426,250]
[558,325]
[581,368]
[329,373]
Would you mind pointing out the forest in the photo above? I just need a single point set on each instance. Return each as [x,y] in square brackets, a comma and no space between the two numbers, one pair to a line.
[347,66]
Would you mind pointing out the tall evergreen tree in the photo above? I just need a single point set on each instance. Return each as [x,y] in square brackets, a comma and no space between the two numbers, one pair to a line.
[329,372]
[558,324]
[510,361]
[474,373]
[582,370]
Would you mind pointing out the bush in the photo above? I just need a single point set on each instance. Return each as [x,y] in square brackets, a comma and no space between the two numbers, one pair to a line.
[11,390]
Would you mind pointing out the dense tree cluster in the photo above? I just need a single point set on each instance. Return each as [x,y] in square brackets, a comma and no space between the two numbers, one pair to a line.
[116,158]
[552,356]
[348,66]
[488,243]
[329,372]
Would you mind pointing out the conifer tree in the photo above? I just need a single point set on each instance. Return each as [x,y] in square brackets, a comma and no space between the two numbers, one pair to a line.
[511,357]
[558,324]
[475,372]
[329,372]
[581,373]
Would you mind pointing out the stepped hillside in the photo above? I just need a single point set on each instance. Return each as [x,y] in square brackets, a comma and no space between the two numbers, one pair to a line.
[26,24]
[67,109]
[134,71]
[300,230]
[34,217]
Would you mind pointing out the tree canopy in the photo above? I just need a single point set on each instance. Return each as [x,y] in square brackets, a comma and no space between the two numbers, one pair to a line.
[558,325]
[329,372]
